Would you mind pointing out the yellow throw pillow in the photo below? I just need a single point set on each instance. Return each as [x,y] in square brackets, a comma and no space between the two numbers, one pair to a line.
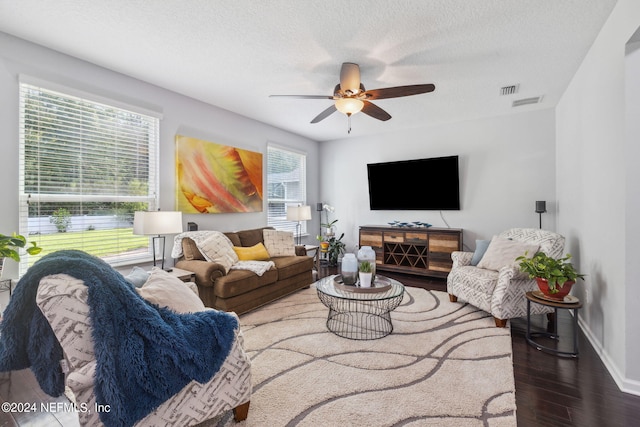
[256,252]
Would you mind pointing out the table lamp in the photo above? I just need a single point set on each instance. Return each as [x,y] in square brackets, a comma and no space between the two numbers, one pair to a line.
[298,213]
[157,223]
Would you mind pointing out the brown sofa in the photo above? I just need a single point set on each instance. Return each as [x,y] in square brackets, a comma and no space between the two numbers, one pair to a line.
[241,290]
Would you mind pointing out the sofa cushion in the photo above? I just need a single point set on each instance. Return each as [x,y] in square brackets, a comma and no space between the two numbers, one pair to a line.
[190,250]
[289,266]
[166,290]
[234,237]
[279,243]
[256,252]
[238,282]
[503,252]
[252,237]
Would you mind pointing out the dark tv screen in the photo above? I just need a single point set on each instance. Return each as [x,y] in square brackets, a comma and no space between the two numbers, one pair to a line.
[422,184]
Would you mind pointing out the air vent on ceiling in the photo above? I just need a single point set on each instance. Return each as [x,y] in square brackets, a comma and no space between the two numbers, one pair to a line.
[509,90]
[526,101]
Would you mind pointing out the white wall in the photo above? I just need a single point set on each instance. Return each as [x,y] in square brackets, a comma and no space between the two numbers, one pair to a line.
[632,297]
[506,164]
[594,166]
[181,115]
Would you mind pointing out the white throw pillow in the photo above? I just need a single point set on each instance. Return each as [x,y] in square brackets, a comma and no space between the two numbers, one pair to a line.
[503,252]
[168,291]
[218,248]
[279,243]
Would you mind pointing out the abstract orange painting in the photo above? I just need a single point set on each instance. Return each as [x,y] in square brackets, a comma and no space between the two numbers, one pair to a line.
[214,178]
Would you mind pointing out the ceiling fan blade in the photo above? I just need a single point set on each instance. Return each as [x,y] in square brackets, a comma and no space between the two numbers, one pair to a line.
[399,91]
[302,96]
[326,113]
[375,111]
[350,77]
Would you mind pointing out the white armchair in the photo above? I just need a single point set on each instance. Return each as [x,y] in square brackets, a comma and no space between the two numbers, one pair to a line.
[501,292]
[63,301]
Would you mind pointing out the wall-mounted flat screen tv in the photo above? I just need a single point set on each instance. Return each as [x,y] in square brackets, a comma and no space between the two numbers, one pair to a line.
[421,184]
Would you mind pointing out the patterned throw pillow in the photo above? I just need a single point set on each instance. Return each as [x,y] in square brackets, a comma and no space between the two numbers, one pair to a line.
[256,252]
[279,243]
[216,247]
[503,252]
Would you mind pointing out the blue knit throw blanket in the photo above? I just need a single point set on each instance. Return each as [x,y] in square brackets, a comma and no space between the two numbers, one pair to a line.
[144,354]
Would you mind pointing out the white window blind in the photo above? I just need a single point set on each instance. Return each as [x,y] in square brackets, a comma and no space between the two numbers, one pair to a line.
[85,167]
[286,185]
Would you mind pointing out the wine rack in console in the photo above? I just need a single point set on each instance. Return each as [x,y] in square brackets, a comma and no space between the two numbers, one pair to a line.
[423,251]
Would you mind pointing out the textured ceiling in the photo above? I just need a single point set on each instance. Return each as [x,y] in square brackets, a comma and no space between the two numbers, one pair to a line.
[235,53]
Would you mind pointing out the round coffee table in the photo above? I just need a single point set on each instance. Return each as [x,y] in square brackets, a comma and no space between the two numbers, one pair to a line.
[360,313]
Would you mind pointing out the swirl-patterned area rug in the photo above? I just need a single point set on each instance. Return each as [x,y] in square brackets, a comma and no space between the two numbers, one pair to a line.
[445,364]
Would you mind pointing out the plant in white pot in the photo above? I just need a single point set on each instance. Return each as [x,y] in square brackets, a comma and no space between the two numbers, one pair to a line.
[365,274]
[10,246]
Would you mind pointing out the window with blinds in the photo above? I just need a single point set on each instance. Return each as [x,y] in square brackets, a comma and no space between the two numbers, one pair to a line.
[85,168]
[286,185]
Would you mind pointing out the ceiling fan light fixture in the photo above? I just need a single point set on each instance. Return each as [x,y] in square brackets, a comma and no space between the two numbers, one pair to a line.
[349,106]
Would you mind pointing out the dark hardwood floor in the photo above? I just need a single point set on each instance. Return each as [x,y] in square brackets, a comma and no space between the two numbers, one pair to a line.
[555,391]
[550,391]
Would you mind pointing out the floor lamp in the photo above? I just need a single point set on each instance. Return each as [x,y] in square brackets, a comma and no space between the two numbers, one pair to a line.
[541,207]
[298,213]
[156,224]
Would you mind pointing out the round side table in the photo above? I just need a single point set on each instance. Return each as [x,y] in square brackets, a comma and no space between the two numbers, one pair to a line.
[574,305]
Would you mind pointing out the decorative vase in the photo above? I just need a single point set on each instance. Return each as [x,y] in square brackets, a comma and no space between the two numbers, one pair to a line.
[563,290]
[365,279]
[349,269]
[324,246]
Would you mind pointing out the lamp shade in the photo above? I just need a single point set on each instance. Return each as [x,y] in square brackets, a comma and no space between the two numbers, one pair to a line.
[298,213]
[349,106]
[541,206]
[157,223]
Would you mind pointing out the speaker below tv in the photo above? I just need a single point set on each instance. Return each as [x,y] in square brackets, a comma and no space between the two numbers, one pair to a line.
[421,184]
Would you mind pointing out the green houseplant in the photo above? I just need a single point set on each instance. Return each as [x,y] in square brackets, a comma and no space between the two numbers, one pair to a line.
[365,274]
[554,276]
[335,249]
[10,246]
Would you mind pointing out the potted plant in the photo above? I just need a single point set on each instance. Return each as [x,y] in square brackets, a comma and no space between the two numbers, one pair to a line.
[555,277]
[365,274]
[10,245]
[324,245]
[335,249]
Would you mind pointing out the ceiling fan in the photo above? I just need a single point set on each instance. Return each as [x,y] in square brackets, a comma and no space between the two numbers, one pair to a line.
[351,97]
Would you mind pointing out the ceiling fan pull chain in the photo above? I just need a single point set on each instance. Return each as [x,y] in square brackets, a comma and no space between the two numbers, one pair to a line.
[349,121]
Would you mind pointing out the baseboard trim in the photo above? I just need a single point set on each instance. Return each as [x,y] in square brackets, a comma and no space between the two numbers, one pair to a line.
[624,384]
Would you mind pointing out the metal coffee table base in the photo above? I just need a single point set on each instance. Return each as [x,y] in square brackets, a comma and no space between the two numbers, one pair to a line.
[360,320]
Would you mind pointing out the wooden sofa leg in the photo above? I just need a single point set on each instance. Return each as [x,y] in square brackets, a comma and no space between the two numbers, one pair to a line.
[240,412]
[453,298]
[500,323]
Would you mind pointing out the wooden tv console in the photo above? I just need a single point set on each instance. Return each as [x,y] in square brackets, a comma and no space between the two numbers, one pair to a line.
[413,250]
